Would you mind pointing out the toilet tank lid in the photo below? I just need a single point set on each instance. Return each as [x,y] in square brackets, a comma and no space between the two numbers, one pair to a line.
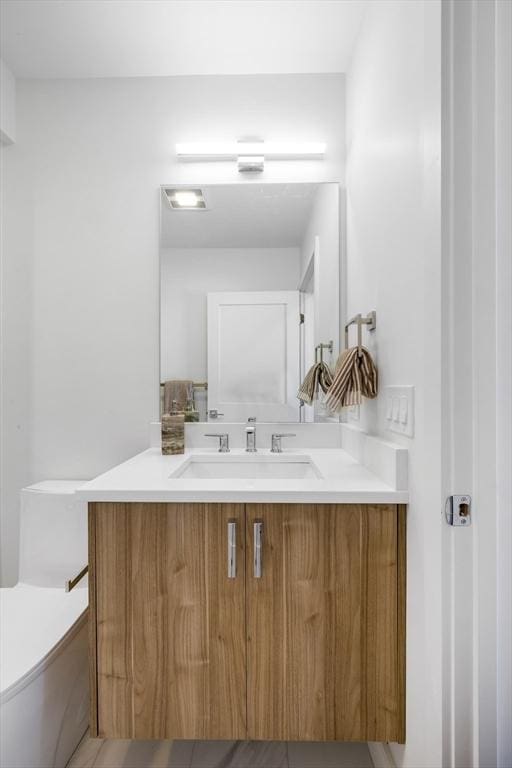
[55,486]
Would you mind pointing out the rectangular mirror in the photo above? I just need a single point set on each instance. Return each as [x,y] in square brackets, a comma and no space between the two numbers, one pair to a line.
[250,288]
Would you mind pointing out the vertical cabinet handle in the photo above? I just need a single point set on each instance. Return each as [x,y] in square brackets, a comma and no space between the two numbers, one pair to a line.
[258,535]
[232,549]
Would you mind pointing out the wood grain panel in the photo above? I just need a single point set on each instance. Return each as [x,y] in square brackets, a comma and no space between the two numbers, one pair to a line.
[266,630]
[381,625]
[347,557]
[323,624]
[175,661]
[309,622]
[291,624]
[114,620]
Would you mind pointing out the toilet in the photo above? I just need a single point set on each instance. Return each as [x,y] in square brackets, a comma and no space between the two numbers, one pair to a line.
[43,641]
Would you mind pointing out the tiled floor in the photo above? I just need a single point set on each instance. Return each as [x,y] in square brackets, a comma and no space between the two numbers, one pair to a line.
[111,753]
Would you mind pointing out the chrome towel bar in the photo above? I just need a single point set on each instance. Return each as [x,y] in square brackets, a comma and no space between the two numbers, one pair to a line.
[196,384]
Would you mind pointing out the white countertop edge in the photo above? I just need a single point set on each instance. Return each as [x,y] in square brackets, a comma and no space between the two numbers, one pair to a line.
[247,496]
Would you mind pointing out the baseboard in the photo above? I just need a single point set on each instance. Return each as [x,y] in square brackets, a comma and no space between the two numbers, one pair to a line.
[381,755]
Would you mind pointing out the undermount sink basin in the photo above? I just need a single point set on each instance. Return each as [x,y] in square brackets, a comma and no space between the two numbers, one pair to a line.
[248,468]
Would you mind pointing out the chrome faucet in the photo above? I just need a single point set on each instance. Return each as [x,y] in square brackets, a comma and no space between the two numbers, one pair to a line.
[276,441]
[223,440]
[250,435]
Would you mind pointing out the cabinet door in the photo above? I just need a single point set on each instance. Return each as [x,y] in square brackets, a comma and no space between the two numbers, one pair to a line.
[169,635]
[322,621]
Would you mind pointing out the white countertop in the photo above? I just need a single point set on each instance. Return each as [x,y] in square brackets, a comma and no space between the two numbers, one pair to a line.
[145,477]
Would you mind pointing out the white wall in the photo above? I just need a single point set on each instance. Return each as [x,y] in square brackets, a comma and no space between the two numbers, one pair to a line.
[189,274]
[7,105]
[322,238]
[80,359]
[324,223]
[393,244]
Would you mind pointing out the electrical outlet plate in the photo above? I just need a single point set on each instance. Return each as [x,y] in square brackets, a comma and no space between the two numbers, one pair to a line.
[399,414]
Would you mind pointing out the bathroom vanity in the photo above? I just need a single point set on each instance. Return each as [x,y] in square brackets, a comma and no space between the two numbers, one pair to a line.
[251,607]
[253,587]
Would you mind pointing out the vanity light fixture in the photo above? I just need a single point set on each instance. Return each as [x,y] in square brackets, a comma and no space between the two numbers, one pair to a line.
[185,199]
[251,155]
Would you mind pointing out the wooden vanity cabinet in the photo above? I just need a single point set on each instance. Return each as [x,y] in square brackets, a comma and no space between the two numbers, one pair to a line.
[168,646]
[305,643]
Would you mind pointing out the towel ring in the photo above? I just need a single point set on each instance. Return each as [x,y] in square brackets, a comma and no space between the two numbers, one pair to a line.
[370,321]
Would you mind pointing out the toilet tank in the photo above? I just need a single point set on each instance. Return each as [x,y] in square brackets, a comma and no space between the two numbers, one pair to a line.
[53,533]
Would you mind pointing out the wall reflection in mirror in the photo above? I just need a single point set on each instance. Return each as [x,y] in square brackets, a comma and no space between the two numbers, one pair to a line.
[249,288]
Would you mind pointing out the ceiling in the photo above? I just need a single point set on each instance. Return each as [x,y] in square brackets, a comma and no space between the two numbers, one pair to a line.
[138,38]
[241,216]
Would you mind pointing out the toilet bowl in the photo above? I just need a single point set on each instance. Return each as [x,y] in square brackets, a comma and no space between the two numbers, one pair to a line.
[43,633]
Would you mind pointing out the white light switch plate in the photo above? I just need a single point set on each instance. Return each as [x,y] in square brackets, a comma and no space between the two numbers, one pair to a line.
[399,409]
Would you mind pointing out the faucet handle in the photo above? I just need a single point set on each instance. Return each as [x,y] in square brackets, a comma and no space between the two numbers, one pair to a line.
[251,419]
[223,440]
[276,441]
